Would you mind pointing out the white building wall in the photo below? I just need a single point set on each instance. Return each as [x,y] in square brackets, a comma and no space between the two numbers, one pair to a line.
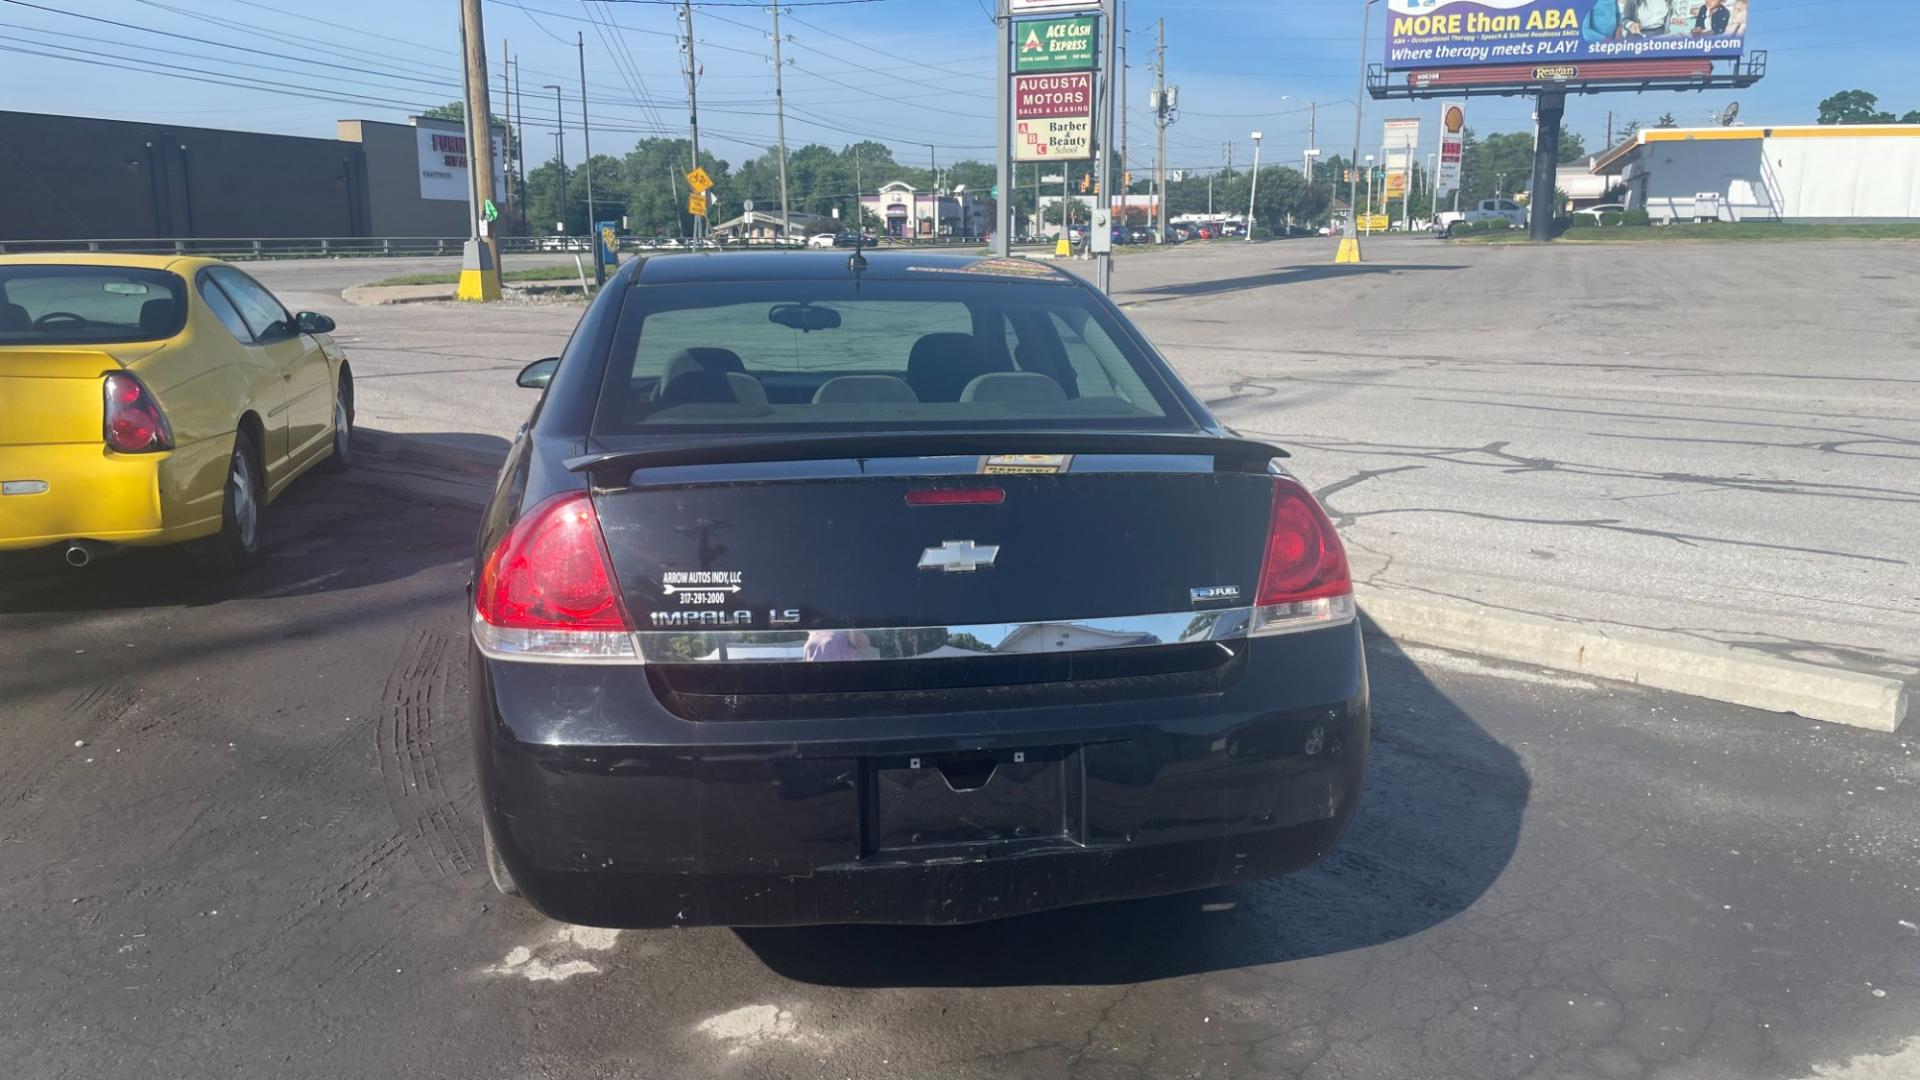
[1782,178]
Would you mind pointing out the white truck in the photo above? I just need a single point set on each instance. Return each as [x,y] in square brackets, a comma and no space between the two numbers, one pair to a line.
[1484,210]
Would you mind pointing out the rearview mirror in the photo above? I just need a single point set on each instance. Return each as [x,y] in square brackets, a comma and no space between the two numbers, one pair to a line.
[804,317]
[537,375]
[312,322]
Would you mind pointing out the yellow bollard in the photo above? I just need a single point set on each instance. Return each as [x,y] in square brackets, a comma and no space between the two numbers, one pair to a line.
[1349,250]
[1063,249]
[478,285]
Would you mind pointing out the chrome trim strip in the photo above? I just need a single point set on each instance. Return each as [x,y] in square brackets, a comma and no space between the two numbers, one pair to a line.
[942,642]
[959,642]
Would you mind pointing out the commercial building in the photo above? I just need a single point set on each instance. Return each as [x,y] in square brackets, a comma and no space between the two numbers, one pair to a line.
[760,226]
[75,178]
[1812,173]
[908,213]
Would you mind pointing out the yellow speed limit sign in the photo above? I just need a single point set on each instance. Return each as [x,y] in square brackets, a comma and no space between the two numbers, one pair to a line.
[697,204]
[700,181]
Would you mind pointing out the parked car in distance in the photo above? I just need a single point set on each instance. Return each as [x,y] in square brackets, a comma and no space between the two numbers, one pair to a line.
[1595,212]
[1141,234]
[150,400]
[795,605]
[1486,210]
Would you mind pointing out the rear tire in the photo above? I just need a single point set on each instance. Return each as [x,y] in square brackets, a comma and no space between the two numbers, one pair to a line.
[342,457]
[237,544]
[497,867]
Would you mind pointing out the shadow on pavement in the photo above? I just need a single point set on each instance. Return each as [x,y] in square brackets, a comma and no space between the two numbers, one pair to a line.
[1438,822]
[323,534]
[1292,275]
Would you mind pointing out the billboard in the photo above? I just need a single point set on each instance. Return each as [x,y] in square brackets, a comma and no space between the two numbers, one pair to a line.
[1054,45]
[1430,34]
[1401,134]
[1453,138]
[443,162]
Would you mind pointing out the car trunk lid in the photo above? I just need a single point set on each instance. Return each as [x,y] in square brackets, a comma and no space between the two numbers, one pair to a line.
[812,534]
[52,395]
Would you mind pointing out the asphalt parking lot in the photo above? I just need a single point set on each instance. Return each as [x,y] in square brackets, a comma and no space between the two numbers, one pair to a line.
[241,839]
[240,835]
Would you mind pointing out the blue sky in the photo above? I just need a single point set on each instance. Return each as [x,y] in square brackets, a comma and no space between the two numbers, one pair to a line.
[905,72]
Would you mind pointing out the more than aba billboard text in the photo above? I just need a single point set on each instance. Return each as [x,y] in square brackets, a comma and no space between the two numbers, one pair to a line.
[1428,34]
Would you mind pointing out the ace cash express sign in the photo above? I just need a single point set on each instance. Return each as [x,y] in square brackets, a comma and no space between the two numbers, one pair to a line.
[1053,117]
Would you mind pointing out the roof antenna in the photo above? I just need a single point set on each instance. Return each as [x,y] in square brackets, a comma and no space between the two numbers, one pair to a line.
[858,263]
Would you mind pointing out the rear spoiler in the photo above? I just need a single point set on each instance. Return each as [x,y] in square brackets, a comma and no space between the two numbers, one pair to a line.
[1230,453]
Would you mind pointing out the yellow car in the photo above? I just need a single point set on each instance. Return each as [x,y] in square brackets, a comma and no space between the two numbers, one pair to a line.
[150,400]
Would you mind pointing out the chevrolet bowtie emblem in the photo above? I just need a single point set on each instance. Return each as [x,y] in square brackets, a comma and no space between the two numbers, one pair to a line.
[959,556]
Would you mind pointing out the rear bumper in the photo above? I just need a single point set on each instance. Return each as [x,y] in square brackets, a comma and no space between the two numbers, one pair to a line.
[611,811]
[94,494]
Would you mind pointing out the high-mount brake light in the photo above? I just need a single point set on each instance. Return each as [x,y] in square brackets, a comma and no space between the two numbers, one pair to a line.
[956,497]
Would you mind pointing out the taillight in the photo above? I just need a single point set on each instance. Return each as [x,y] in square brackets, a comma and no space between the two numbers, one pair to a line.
[134,423]
[547,591]
[1304,581]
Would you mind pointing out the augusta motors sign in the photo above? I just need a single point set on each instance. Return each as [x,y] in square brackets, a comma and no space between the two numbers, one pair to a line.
[1041,96]
[1054,45]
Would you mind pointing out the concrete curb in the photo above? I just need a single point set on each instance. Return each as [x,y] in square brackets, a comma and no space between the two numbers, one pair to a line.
[1852,698]
[386,295]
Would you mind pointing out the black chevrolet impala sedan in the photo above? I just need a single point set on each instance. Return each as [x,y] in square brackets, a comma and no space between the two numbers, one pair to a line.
[896,588]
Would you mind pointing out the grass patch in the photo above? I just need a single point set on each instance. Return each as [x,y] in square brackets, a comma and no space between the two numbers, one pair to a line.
[1722,232]
[531,273]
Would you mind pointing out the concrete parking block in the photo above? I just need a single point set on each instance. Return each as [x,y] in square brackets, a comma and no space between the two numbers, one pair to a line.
[1837,696]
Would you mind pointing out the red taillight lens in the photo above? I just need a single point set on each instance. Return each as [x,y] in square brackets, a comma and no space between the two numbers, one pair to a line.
[134,423]
[1304,581]
[548,592]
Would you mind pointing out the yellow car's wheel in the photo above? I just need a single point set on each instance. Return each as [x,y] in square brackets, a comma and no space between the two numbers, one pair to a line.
[342,457]
[238,541]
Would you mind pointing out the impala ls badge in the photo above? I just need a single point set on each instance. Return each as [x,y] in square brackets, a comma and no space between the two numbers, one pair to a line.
[959,556]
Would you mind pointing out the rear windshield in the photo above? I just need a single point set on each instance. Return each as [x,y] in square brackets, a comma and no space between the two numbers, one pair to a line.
[87,305]
[816,356]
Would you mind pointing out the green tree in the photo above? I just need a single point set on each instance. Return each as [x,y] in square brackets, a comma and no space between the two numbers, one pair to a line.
[1854,107]
[1666,121]
[654,186]
[1912,116]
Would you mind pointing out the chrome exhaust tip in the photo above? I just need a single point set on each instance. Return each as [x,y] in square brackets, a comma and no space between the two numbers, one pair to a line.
[79,553]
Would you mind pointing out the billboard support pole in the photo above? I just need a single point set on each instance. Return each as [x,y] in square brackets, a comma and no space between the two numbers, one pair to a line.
[1551,107]
[1003,171]
[1103,167]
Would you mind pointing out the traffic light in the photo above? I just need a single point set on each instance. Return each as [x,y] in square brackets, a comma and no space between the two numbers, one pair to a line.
[1347,177]
[1086,182]
[1127,178]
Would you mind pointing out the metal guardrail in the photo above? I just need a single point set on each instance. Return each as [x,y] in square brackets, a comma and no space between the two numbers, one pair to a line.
[242,249]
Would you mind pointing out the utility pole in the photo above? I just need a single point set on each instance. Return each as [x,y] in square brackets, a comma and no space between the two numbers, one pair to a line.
[780,122]
[1350,247]
[560,150]
[586,165]
[1126,163]
[1161,119]
[480,256]
[520,103]
[506,143]
[1609,129]
[933,194]
[692,71]
[1103,183]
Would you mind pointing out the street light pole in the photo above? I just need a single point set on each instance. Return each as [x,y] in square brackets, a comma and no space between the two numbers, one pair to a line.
[586,134]
[1254,194]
